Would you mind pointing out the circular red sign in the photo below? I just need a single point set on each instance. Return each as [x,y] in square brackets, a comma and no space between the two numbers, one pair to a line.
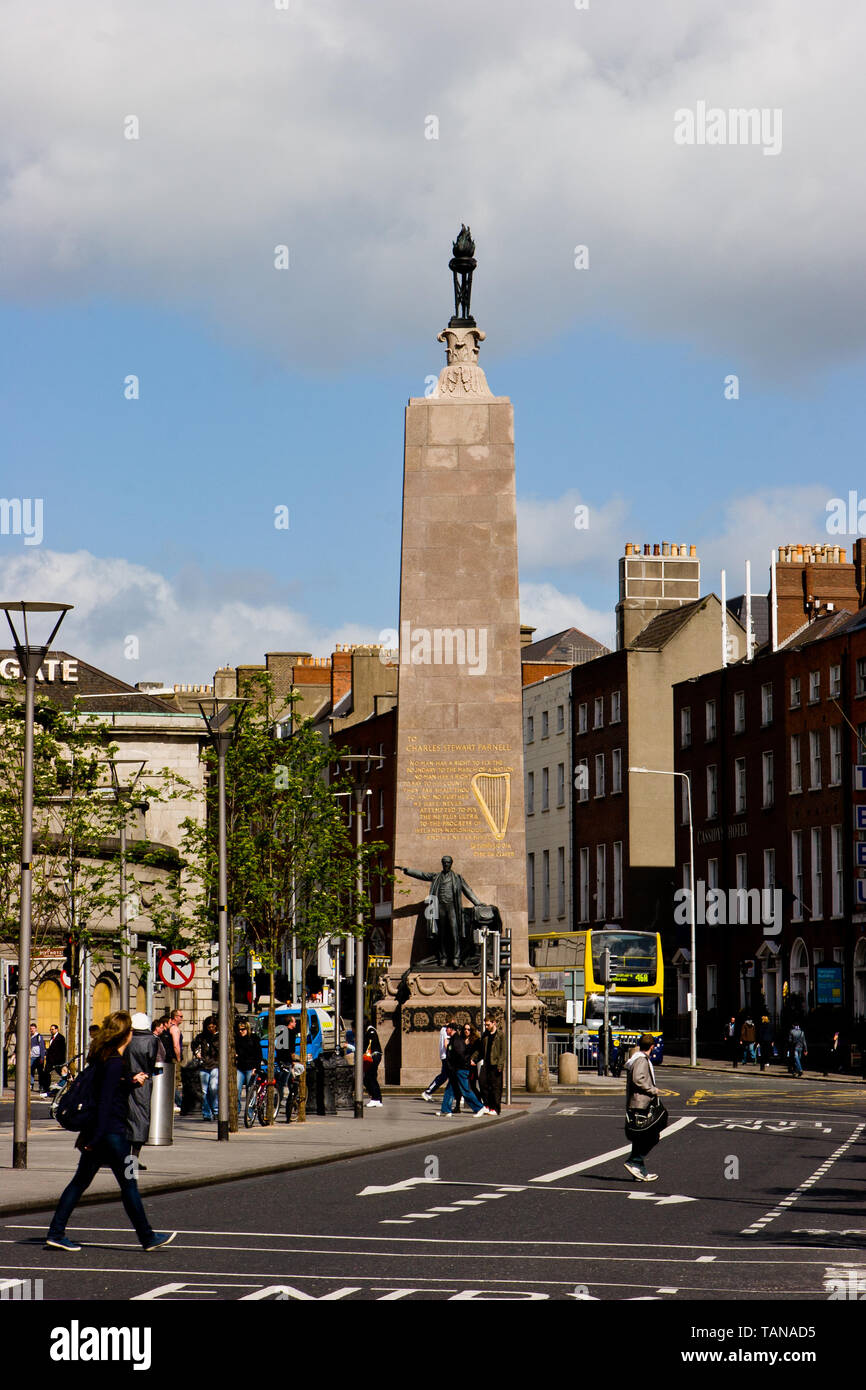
[176,969]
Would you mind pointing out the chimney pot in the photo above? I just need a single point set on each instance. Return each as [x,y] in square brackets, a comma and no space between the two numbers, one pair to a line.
[656,550]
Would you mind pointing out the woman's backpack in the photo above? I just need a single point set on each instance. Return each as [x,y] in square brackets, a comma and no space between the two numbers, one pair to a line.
[77,1106]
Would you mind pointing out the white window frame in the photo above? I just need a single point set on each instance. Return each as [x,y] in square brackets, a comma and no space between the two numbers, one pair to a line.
[837,863]
[797,881]
[796,692]
[815,768]
[583,883]
[598,712]
[835,755]
[600,882]
[617,878]
[530,793]
[816,846]
[616,771]
[712,791]
[796,762]
[739,711]
[767,787]
[767,704]
[711,720]
[615,706]
[599,776]
[739,786]
[686,727]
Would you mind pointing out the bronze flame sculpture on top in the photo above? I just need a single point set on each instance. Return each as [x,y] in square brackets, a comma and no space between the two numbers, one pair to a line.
[462,264]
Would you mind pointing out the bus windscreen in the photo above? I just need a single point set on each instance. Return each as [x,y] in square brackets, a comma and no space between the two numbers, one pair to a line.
[633,956]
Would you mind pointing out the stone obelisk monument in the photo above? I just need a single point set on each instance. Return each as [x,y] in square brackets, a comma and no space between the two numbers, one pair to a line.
[459,715]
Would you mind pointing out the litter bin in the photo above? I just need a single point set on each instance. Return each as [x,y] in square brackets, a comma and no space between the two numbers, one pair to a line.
[162,1105]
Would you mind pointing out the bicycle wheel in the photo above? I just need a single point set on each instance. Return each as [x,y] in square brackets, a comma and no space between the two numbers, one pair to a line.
[278,1100]
[52,1109]
[250,1107]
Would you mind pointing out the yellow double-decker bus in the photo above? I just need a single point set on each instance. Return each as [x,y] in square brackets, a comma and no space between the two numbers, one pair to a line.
[569,966]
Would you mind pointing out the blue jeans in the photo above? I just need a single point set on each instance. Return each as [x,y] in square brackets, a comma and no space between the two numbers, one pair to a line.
[748,1053]
[209,1093]
[244,1079]
[111,1152]
[464,1090]
[797,1061]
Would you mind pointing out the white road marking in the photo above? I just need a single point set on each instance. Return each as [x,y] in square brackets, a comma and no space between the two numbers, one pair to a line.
[758,1226]
[395,1186]
[608,1157]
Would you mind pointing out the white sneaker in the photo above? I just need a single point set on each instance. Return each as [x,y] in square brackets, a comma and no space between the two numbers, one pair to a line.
[373,1103]
[443,1114]
[426,1095]
[634,1170]
[482,1111]
[649,1177]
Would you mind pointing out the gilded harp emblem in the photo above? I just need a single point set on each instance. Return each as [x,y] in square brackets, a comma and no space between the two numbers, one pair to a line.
[492,791]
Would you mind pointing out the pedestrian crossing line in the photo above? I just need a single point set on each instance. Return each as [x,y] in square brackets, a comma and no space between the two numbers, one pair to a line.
[781,1207]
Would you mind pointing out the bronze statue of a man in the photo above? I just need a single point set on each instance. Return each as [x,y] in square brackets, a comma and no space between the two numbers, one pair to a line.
[445,908]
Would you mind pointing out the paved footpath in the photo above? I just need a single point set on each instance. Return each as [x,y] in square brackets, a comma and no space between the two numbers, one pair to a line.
[196,1159]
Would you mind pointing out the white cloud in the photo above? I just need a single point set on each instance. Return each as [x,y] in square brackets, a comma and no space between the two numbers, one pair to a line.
[549,537]
[185,628]
[305,126]
[753,525]
[548,610]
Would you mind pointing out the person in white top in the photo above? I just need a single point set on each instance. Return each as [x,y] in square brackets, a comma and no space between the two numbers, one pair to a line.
[441,1079]
[640,1092]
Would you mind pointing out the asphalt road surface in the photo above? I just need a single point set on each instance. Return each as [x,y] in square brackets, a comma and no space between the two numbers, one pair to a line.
[760,1198]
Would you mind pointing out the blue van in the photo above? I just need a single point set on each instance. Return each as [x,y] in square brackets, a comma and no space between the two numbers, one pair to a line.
[317,1028]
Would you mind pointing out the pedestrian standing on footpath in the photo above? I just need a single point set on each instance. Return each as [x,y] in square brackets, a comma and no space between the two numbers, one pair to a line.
[248,1058]
[472,1043]
[731,1039]
[205,1049]
[442,1078]
[646,1117]
[747,1039]
[372,1058]
[104,1138]
[55,1057]
[765,1042]
[37,1056]
[492,1064]
[143,1056]
[797,1050]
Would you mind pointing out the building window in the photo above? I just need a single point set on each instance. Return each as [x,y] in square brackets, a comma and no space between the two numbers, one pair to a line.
[814,687]
[545,885]
[860,676]
[560,784]
[795,692]
[835,681]
[530,886]
[598,713]
[712,986]
[583,887]
[381,807]
[767,704]
[767,779]
[712,791]
[814,759]
[739,785]
[836,850]
[770,869]
[381,755]
[742,871]
[861,743]
[835,755]
[560,719]
[582,780]
[712,873]
[797,874]
[560,882]
[617,878]
[599,774]
[739,712]
[545,724]
[530,729]
[686,727]
[600,882]
[684,800]
[581,719]
[817,877]
[616,770]
[796,764]
[545,789]
[711,719]
[530,793]
[615,706]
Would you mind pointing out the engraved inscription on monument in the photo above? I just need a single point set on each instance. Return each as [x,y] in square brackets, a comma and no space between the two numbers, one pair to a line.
[461,789]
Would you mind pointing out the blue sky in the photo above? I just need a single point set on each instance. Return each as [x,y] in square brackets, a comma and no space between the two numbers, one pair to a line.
[259,390]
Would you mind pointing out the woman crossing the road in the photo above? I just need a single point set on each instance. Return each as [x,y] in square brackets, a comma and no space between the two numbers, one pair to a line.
[646,1117]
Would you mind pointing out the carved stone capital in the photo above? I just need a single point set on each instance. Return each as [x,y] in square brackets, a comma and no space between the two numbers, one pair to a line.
[462,378]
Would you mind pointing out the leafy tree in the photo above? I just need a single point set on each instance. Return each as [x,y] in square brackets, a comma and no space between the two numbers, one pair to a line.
[291,862]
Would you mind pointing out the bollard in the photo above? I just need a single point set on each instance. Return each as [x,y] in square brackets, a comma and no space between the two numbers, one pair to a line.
[537,1075]
[568,1069]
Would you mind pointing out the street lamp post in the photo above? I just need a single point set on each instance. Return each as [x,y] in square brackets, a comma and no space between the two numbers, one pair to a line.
[693,998]
[360,792]
[222,724]
[122,794]
[30,657]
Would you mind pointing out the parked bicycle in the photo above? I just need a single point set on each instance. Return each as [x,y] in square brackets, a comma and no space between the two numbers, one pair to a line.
[285,1091]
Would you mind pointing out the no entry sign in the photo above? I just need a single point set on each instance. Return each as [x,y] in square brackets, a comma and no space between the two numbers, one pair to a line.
[176,969]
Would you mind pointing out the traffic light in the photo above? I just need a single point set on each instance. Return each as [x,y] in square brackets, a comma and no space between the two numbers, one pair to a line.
[504,954]
[70,961]
[12,979]
[494,952]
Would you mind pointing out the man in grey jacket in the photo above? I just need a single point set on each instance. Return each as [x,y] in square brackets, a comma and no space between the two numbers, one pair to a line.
[640,1090]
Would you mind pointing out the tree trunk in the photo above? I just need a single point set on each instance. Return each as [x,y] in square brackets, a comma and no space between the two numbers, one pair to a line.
[302,1090]
[272,1060]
